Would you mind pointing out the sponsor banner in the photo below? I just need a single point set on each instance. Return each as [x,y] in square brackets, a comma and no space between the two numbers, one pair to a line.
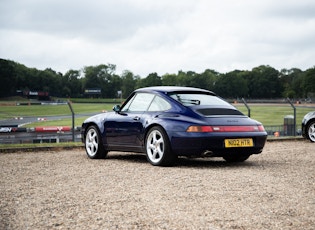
[11,129]
[53,129]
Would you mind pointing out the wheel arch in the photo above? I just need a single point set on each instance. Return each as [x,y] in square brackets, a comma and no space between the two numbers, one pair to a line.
[95,148]
[168,157]
[147,129]
[88,125]
[307,126]
[310,121]
[154,125]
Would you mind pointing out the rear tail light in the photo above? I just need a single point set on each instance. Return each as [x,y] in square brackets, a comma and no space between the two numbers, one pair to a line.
[207,129]
[261,128]
[199,129]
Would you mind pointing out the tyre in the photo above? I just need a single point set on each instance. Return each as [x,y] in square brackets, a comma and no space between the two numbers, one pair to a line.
[236,157]
[93,144]
[310,131]
[158,150]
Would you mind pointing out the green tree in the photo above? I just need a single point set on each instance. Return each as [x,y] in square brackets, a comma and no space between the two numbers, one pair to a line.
[182,78]
[153,79]
[72,84]
[291,82]
[232,85]
[169,80]
[8,78]
[100,76]
[211,77]
[50,81]
[204,80]
[115,85]
[308,83]
[128,84]
[265,83]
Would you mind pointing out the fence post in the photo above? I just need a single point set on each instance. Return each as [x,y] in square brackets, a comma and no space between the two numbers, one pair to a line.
[69,104]
[294,118]
[248,109]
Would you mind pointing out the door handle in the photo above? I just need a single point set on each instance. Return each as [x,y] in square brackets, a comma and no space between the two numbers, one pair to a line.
[136,118]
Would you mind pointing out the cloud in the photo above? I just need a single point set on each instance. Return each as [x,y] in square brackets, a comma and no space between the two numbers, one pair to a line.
[146,36]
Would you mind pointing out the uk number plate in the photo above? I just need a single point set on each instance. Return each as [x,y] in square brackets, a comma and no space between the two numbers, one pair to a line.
[244,142]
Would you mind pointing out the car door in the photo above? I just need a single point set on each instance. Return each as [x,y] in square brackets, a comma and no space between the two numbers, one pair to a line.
[122,129]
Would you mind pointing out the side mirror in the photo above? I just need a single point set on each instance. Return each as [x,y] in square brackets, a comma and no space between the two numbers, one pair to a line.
[117,108]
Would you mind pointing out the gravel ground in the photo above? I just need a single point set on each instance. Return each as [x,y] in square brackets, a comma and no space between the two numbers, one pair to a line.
[66,190]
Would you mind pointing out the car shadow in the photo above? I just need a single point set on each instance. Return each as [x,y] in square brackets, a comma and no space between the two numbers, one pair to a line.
[214,162]
[184,161]
[130,157]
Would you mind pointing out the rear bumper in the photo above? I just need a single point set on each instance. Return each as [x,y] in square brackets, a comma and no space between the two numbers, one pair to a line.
[197,145]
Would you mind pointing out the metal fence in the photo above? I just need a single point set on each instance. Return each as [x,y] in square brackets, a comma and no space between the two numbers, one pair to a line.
[283,130]
[34,137]
[67,136]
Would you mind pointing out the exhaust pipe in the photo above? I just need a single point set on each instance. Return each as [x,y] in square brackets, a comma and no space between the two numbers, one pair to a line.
[207,153]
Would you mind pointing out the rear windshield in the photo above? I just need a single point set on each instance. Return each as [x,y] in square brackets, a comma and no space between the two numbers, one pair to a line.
[191,99]
[209,104]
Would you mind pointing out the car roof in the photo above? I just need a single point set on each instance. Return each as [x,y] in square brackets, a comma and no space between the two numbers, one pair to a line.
[167,89]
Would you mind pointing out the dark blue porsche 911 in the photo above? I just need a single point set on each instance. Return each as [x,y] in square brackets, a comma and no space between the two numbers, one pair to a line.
[166,122]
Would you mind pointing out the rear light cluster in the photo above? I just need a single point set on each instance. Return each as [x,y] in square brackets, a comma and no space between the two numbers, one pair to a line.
[208,129]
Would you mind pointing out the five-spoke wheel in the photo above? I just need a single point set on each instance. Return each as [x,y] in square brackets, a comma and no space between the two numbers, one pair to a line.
[93,144]
[158,149]
[311,131]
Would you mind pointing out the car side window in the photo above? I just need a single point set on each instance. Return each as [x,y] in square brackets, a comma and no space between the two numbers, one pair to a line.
[139,103]
[125,108]
[159,104]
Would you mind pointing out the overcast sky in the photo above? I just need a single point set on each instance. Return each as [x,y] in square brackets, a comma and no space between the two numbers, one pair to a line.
[162,36]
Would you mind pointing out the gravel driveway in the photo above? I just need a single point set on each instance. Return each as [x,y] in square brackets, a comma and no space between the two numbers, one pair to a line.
[66,190]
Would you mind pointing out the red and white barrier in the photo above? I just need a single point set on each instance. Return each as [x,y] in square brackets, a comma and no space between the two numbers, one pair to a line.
[53,129]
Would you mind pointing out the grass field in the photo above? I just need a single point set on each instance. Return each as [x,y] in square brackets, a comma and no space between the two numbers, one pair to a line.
[49,110]
[268,114]
[11,112]
[273,114]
